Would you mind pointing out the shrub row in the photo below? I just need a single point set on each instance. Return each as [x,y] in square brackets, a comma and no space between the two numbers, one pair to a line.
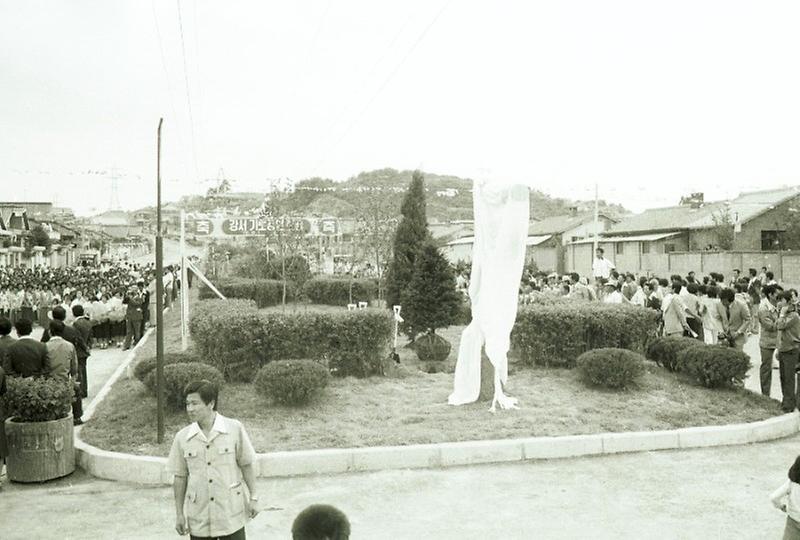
[264,292]
[558,334]
[665,351]
[336,291]
[711,366]
[239,340]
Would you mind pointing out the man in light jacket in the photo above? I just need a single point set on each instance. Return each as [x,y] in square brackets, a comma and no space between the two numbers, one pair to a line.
[768,341]
[64,365]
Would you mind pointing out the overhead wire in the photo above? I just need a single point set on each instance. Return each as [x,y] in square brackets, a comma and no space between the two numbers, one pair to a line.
[383,86]
[166,74]
[188,94]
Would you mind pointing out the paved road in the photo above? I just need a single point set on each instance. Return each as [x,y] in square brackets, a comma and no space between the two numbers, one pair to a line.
[704,493]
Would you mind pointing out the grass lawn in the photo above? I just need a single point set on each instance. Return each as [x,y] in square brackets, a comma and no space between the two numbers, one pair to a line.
[410,407]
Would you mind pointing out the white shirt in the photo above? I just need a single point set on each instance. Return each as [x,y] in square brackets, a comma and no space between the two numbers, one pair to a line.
[788,494]
[614,298]
[602,267]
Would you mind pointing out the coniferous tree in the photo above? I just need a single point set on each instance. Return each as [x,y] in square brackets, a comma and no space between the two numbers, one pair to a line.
[431,300]
[412,232]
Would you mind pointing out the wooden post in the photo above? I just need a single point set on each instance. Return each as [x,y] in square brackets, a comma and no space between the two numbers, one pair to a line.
[159,298]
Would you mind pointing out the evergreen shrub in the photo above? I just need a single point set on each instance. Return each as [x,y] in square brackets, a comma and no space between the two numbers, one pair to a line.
[265,292]
[239,339]
[144,366]
[714,366]
[336,291]
[610,367]
[555,335]
[665,351]
[292,382]
[431,300]
[177,376]
[38,399]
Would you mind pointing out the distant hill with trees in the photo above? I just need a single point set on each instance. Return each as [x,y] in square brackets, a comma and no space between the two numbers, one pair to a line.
[448,198]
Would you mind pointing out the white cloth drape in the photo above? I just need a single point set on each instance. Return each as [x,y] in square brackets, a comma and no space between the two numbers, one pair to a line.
[498,256]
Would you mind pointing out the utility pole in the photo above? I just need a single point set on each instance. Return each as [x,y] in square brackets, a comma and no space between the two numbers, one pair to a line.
[159,296]
[596,217]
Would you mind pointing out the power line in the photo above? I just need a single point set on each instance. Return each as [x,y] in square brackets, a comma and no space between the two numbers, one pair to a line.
[166,73]
[384,85]
[188,97]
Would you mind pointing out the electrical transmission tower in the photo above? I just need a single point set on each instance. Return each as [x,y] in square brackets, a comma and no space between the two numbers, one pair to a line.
[113,202]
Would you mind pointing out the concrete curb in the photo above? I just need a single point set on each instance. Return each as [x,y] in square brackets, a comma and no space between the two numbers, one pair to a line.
[151,470]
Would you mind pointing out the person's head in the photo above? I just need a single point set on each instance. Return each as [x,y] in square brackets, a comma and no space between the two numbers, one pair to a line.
[739,287]
[692,288]
[321,522]
[663,282]
[201,399]
[702,290]
[649,286]
[764,269]
[785,299]
[706,279]
[690,274]
[59,313]
[770,276]
[642,281]
[676,287]
[77,310]
[676,278]
[5,326]
[793,292]
[770,292]
[615,275]
[564,289]
[57,328]
[753,272]
[794,471]
[712,292]
[24,327]
[599,252]
[575,277]
[736,273]
[726,296]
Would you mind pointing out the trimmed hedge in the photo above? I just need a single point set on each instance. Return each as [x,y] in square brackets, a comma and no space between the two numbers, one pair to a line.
[239,340]
[144,366]
[264,292]
[611,368]
[556,334]
[336,291]
[665,351]
[292,382]
[177,376]
[714,366]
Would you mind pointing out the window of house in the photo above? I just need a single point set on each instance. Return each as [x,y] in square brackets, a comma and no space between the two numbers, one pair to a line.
[618,248]
[669,248]
[770,240]
[645,247]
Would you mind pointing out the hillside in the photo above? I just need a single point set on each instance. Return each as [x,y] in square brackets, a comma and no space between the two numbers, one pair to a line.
[448,197]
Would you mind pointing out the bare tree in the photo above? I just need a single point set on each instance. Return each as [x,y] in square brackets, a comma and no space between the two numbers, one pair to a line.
[723,229]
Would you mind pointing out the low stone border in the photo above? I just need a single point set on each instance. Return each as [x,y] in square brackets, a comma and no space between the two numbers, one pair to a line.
[151,470]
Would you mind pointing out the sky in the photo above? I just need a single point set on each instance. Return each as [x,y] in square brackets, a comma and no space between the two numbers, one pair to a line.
[647,100]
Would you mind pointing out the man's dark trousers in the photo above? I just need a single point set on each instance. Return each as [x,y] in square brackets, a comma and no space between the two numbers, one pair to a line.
[766,370]
[788,364]
[133,331]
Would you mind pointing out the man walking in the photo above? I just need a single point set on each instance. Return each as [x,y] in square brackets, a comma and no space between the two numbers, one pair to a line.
[768,341]
[601,267]
[788,325]
[59,313]
[209,459]
[133,318]
[64,365]
[735,318]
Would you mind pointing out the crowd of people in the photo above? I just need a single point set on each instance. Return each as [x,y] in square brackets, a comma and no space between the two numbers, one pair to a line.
[709,308]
